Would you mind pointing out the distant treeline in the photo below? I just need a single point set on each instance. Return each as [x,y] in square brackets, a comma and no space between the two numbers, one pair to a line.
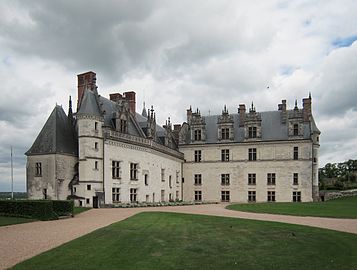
[17,195]
[339,175]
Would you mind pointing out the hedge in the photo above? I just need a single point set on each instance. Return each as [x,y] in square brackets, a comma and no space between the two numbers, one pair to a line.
[63,208]
[43,210]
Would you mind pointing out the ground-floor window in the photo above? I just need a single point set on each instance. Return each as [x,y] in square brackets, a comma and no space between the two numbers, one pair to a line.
[116,195]
[147,198]
[198,195]
[80,203]
[133,194]
[162,195]
[251,196]
[296,196]
[271,196]
[177,195]
[225,196]
[87,201]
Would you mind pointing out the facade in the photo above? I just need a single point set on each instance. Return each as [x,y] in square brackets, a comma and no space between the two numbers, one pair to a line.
[107,153]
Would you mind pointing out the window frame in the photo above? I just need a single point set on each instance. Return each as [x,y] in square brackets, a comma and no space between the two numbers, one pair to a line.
[197,179]
[198,155]
[252,196]
[271,179]
[225,179]
[225,155]
[134,172]
[252,154]
[252,179]
[116,169]
[252,132]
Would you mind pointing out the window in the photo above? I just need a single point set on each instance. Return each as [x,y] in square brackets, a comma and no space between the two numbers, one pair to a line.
[225,179]
[296,153]
[95,125]
[271,178]
[177,177]
[147,198]
[74,190]
[38,167]
[116,169]
[177,195]
[133,171]
[252,154]
[80,203]
[252,132]
[146,179]
[295,179]
[296,130]
[170,181]
[133,195]
[96,165]
[95,145]
[123,126]
[87,201]
[162,175]
[197,134]
[225,195]
[296,196]
[198,179]
[198,195]
[198,155]
[251,178]
[225,133]
[271,196]
[162,195]
[225,154]
[44,193]
[116,195]
[251,196]
[89,187]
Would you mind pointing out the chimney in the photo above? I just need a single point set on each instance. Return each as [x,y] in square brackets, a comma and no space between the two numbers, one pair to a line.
[176,132]
[130,97]
[241,111]
[189,115]
[115,97]
[306,108]
[85,80]
[282,108]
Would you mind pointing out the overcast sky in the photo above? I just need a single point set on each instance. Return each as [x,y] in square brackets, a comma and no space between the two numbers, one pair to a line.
[175,54]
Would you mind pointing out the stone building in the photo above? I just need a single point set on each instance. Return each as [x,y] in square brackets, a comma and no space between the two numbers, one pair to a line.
[107,153]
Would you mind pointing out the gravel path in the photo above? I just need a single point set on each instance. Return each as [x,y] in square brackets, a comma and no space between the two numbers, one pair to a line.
[23,241]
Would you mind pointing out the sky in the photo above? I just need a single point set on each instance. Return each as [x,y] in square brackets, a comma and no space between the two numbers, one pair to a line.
[174,54]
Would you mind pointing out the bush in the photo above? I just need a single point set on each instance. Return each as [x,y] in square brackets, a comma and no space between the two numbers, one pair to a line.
[63,208]
[42,210]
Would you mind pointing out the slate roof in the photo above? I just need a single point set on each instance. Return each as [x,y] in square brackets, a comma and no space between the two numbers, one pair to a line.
[272,128]
[56,136]
[89,104]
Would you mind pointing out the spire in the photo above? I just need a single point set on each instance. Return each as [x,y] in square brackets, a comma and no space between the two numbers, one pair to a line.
[144,111]
[252,108]
[70,106]
[296,106]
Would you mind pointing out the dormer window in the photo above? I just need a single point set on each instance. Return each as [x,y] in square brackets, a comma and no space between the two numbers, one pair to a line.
[252,132]
[197,135]
[296,130]
[225,133]
[123,126]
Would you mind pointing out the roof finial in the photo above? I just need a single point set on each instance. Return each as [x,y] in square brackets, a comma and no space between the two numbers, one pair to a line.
[309,95]
[296,107]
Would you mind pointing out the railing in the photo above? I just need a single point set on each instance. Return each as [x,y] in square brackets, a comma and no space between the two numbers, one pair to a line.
[143,142]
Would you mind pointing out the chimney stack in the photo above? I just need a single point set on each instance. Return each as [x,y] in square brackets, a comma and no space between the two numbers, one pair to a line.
[115,97]
[189,115]
[130,97]
[306,103]
[85,80]
[241,111]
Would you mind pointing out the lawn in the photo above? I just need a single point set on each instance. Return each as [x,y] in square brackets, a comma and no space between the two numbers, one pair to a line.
[340,208]
[13,220]
[181,241]
[77,210]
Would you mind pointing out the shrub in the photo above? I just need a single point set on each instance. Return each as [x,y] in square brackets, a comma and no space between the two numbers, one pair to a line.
[63,208]
[42,210]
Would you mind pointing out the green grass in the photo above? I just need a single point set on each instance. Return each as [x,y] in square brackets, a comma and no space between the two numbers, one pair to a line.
[77,210]
[13,220]
[340,208]
[181,241]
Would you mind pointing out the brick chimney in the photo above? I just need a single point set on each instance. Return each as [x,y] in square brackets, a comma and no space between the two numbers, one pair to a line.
[85,80]
[115,97]
[241,111]
[306,108]
[130,97]
[282,108]
[189,115]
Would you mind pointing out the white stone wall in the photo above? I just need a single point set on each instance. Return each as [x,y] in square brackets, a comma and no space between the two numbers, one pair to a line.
[274,157]
[57,172]
[149,162]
